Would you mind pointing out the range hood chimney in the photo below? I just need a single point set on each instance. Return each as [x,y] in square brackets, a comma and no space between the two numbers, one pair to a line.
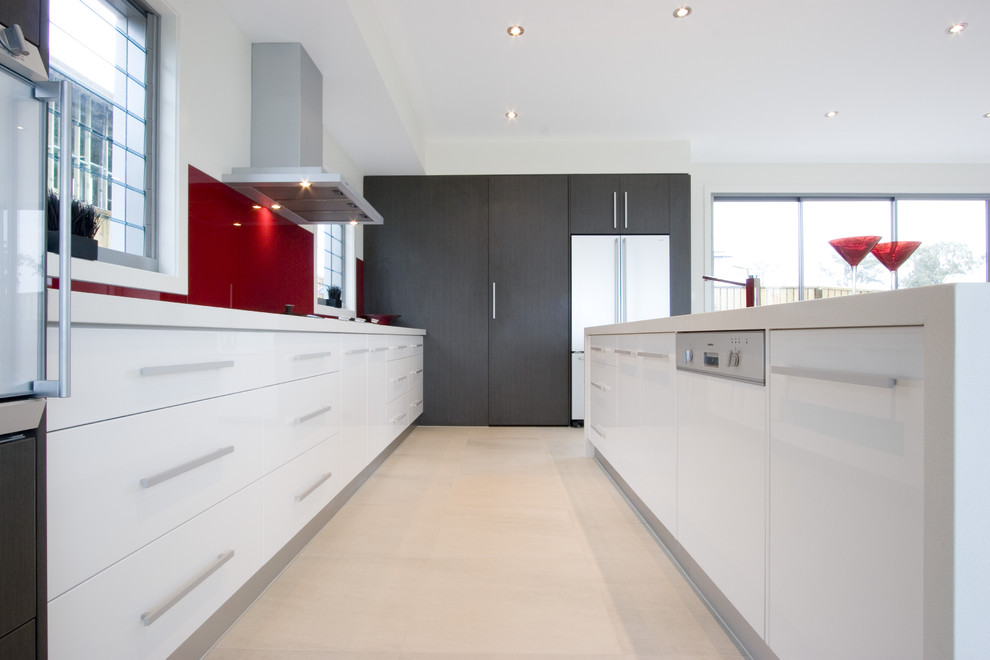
[286,173]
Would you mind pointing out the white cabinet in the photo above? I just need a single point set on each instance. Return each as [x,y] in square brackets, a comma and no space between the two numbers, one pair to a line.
[122,371]
[148,603]
[117,485]
[602,392]
[185,459]
[846,494]
[721,484]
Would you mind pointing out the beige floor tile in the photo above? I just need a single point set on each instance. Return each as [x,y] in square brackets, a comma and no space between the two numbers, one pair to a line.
[485,606]
[282,654]
[330,604]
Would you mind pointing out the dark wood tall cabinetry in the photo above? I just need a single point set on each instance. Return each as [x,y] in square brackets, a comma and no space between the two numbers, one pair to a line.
[430,264]
[483,263]
[529,362]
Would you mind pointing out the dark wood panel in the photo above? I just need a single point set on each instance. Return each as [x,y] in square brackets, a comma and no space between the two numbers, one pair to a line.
[18,533]
[429,262]
[20,644]
[680,244]
[593,205]
[645,199]
[529,363]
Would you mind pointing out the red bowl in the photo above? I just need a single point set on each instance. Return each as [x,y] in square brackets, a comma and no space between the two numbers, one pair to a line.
[382,319]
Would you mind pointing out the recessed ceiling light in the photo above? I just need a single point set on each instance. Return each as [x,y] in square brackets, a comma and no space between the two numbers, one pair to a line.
[682,12]
[515,30]
[831,113]
[511,114]
[304,184]
[987,116]
[957,28]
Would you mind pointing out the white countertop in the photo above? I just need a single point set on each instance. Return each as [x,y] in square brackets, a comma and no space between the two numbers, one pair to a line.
[920,306]
[96,309]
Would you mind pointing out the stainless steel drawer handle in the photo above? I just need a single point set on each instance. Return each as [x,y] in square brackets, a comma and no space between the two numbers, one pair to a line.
[598,348]
[312,356]
[399,379]
[417,372]
[171,473]
[357,351]
[309,491]
[623,351]
[599,430]
[156,612]
[417,404]
[654,356]
[847,377]
[184,368]
[601,386]
[397,419]
[315,413]
[379,349]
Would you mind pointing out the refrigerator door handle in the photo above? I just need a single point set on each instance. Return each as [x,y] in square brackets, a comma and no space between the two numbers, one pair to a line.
[618,281]
[62,92]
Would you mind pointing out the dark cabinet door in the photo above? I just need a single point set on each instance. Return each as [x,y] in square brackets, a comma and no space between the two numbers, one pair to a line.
[429,263]
[680,244]
[18,533]
[529,353]
[619,204]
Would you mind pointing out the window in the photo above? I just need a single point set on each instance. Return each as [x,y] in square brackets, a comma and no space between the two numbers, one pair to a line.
[330,263]
[784,242]
[106,48]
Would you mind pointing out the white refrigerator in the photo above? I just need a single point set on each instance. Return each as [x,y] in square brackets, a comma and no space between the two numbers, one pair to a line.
[614,279]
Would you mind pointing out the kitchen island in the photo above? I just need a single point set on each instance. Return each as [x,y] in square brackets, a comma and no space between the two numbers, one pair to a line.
[200,450]
[834,507]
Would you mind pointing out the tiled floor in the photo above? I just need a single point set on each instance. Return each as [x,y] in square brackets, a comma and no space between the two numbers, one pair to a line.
[481,544]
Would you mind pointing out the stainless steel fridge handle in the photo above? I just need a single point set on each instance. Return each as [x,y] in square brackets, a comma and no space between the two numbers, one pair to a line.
[48,92]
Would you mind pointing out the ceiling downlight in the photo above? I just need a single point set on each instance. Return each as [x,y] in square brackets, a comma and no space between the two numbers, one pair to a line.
[682,12]
[956,28]
[515,30]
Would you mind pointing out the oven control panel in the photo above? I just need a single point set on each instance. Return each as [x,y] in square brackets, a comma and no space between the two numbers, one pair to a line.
[737,354]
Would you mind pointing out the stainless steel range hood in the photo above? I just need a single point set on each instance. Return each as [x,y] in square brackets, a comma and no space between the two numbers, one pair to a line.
[286,173]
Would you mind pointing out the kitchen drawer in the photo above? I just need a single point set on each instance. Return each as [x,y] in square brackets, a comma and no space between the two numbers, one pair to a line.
[110,616]
[297,491]
[299,415]
[293,355]
[403,346]
[398,417]
[118,485]
[602,348]
[397,378]
[122,371]
[603,389]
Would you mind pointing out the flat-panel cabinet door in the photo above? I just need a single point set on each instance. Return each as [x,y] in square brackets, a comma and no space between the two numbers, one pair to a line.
[645,204]
[18,533]
[529,349]
[847,480]
[430,264]
[619,204]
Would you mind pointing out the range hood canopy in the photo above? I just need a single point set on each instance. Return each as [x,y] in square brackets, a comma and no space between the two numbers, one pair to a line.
[286,173]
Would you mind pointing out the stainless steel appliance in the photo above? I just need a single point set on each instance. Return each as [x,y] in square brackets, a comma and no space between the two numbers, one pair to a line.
[24,93]
[614,279]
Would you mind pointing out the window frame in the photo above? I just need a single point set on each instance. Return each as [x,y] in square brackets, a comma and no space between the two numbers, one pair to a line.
[892,198]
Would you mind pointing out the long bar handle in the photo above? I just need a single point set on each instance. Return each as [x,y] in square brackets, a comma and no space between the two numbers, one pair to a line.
[399,379]
[62,90]
[655,356]
[357,351]
[602,387]
[625,205]
[615,210]
[309,491]
[622,351]
[171,473]
[396,419]
[379,349]
[493,300]
[157,611]
[312,356]
[417,372]
[315,413]
[847,377]
[599,430]
[185,368]
[416,404]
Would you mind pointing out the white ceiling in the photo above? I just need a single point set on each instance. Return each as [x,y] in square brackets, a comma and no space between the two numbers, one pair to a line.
[740,81]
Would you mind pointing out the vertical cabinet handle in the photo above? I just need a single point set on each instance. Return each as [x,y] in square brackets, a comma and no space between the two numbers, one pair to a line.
[615,210]
[157,611]
[493,300]
[625,206]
